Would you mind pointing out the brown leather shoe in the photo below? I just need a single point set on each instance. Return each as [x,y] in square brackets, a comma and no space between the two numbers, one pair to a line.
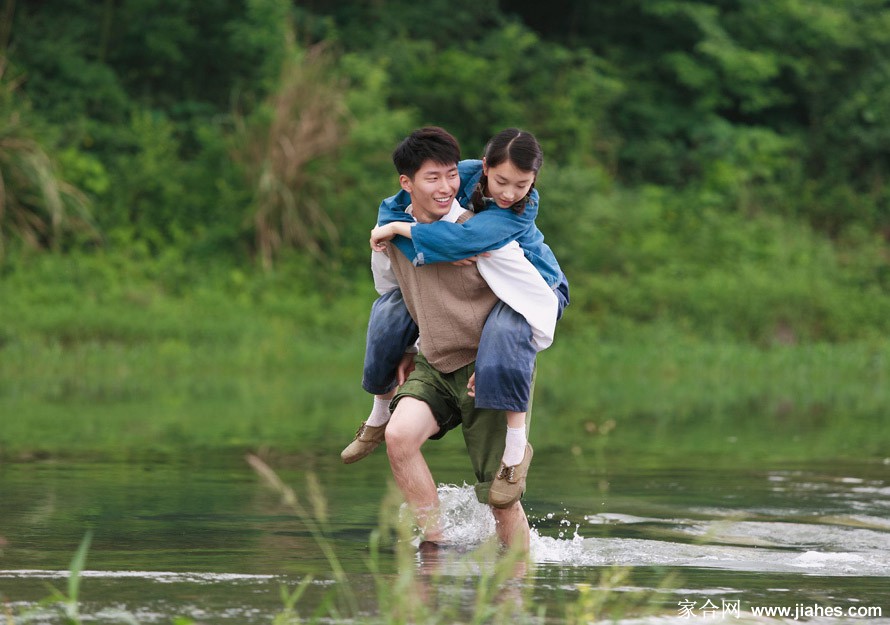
[366,440]
[509,483]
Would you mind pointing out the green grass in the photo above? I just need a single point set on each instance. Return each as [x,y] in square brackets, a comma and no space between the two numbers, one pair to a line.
[111,363]
[663,390]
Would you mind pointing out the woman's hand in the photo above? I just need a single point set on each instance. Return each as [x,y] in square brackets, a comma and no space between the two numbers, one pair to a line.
[471,260]
[381,234]
[406,366]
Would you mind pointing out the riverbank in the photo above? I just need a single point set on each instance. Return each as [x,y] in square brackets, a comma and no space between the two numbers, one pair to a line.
[130,368]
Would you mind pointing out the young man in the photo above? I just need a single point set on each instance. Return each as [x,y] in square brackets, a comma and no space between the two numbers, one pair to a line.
[450,304]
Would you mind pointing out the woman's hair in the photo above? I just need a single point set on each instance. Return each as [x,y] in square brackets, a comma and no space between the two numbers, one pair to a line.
[520,148]
[429,143]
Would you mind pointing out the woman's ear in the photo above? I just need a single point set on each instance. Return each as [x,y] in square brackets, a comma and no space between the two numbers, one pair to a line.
[484,166]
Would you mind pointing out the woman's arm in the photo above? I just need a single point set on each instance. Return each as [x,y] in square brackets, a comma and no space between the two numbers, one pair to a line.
[444,242]
[393,208]
[381,234]
[489,230]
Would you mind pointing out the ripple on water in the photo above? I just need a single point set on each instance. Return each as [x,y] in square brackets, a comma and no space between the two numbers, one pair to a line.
[818,548]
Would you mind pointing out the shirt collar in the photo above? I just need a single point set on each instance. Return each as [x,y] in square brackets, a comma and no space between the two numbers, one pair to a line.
[452,215]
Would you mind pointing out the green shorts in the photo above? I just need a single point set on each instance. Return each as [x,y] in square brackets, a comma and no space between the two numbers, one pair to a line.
[485,430]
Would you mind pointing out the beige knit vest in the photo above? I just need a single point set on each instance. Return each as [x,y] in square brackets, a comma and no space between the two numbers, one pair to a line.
[449,304]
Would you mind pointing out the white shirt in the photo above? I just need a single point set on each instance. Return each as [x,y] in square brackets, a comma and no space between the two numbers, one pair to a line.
[508,273]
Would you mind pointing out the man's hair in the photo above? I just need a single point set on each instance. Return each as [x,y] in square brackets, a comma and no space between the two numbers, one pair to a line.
[425,144]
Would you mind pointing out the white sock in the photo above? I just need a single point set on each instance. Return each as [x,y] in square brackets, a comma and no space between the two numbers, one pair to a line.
[379,413]
[514,449]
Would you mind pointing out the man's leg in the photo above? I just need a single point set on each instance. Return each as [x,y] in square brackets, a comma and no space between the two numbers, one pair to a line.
[484,431]
[411,425]
[512,526]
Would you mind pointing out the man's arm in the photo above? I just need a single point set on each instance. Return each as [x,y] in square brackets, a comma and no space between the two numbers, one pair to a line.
[384,276]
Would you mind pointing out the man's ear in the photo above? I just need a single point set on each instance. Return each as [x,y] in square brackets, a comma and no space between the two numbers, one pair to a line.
[405,182]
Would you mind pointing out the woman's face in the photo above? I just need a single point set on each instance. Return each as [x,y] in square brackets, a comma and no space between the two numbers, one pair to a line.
[507,184]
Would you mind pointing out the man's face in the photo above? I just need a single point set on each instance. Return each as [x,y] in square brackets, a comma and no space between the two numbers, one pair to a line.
[432,190]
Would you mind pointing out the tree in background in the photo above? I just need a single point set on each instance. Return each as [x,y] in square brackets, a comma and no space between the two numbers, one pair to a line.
[177,121]
[37,207]
[778,106]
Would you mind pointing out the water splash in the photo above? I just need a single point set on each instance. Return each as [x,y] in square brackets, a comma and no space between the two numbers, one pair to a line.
[465,521]
[815,548]
[468,523]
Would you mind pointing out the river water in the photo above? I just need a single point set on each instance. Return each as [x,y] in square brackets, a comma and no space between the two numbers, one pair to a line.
[674,539]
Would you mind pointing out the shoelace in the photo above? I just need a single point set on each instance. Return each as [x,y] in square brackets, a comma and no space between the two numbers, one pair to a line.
[507,473]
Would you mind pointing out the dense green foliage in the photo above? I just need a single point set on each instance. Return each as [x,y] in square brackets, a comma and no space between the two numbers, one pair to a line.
[204,173]
[718,164]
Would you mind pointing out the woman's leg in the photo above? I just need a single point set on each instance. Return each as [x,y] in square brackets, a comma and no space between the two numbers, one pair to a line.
[391,331]
[506,358]
[505,366]
[505,361]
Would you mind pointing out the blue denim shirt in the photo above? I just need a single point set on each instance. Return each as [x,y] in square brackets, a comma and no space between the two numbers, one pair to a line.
[490,229]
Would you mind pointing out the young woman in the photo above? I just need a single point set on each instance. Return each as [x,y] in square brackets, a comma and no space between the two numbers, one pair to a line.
[500,189]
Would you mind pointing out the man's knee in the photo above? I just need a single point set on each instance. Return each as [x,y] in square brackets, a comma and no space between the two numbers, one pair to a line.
[399,439]
[411,425]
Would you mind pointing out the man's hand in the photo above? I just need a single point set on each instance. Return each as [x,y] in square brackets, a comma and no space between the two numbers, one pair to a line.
[471,385]
[469,261]
[406,366]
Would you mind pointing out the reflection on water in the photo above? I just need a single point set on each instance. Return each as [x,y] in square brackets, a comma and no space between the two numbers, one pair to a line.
[208,541]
